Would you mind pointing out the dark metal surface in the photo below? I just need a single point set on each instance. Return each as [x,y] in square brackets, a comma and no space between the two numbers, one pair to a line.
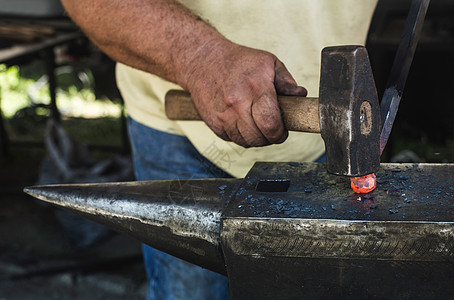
[291,230]
[351,132]
[401,67]
[318,239]
[181,217]
[405,192]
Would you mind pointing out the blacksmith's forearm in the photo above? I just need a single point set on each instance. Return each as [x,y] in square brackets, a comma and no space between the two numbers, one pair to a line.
[157,36]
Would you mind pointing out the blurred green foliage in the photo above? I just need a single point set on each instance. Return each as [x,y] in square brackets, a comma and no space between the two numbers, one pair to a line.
[13,95]
[75,95]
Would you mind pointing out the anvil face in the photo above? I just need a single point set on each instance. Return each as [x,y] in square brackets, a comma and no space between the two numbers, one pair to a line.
[295,230]
[405,192]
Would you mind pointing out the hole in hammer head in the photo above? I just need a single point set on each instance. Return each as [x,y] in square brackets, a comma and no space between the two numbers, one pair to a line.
[272,186]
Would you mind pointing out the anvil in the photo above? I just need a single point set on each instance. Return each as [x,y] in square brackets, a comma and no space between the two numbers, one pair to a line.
[291,230]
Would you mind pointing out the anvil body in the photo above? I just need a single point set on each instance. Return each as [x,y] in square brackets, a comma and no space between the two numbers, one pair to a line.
[291,230]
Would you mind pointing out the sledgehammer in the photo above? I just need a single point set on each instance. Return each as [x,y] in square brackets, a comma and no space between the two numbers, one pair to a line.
[347,113]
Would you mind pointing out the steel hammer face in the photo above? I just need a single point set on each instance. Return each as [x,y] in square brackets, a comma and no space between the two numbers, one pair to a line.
[349,111]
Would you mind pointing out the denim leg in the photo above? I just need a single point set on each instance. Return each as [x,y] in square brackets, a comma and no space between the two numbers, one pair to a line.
[159,156]
[321,159]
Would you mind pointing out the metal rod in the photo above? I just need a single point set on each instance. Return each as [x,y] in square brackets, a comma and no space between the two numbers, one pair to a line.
[400,68]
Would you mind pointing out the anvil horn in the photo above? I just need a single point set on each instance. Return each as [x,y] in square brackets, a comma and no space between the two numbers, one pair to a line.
[181,218]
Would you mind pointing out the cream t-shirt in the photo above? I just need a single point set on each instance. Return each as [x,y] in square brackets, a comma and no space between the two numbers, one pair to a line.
[294,30]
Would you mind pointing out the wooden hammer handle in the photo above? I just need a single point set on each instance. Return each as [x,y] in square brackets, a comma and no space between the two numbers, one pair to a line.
[298,113]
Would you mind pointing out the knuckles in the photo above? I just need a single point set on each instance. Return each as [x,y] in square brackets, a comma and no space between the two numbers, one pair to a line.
[241,90]
[231,100]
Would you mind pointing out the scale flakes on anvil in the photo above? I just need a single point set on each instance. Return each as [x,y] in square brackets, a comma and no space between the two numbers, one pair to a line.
[291,230]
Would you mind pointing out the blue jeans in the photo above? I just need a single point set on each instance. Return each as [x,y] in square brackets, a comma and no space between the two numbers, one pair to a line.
[158,156]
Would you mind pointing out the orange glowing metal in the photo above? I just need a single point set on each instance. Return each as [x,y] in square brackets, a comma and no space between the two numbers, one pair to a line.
[364,184]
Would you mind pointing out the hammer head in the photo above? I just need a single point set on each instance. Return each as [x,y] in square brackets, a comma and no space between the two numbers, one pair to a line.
[349,111]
